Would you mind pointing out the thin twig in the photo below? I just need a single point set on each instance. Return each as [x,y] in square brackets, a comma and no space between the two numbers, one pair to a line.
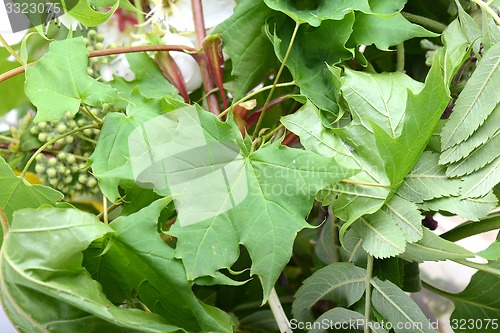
[276,79]
[427,22]
[368,305]
[278,313]
[105,209]
[111,208]
[400,64]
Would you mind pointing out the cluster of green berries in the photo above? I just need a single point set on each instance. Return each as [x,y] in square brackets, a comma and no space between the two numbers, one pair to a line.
[94,41]
[63,165]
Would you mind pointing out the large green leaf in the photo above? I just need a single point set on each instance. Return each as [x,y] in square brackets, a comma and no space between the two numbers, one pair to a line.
[481,182]
[245,42]
[84,12]
[341,283]
[59,83]
[315,12]
[385,31]
[220,189]
[398,308]
[140,258]
[313,51]
[16,193]
[110,160]
[478,303]
[13,87]
[347,320]
[41,268]
[476,102]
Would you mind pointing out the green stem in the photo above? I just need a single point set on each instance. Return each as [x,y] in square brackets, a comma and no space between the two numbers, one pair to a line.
[276,79]
[89,114]
[278,313]
[11,51]
[400,51]
[427,22]
[470,228]
[368,305]
[271,133]
[487,9]
[140,16]
[256,92]
[4,222]
[105,209]
[50,142]
[8,139]
[111,208]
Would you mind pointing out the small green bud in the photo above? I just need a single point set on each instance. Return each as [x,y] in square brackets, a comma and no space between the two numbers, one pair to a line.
[69,139]
[42,137]
[39,168]
[40,158]
[81,122]
[61,169]
[52,161]
[42,125]
[99,38]
[70,158]
[61,128]
[53,182]
[68,179]
[87,132]
[69,115]
[99,46]
[90,71]
[72,124]
[92,33]
[62,155]
[94,60]
[112,46]
[86,41]
[34,130]
[51,172]
[82,179]
[104,61]
[106,107]
[91,182]
[90,48]
[78,186]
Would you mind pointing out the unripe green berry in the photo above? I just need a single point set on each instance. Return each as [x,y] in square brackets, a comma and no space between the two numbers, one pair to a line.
[53,182]
[71,124]
[112,46]
[68,179]
[82,179]
[69,139]
[90,48]
[82,165]
[34,130]
[94,60]
[81,122]
[90,71]
[86,41]
[94,111]
[91,182]
[40,158]
[87,132]
[71,159]
[104,61]
[92,33]
[99,46]
[61,169]
[42,125]
[99,38]
[39,168]
[61,128]
[69,115]
[52,161]
[51,172]
[78,186]
[106,107]
[62,155]
[42,137]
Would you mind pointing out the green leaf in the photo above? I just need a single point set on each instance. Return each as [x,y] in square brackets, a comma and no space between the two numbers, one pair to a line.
[382,237]
[84,12]
[407,217]
[422,113]
[481,182]
[483,135]
[492,252]
[476,102]
[13,87]
[434,248]
[326,247]
[344,318]
[468,208]
[315,12]
[110,160]
[149,79]
[428,180]
[490,31]
[313,51]
[16,193]
[140,258]
[59,83]
[385,31]
[398,308]
[36,274]
[341,283]
[247,45]
[478,303]
[470,28]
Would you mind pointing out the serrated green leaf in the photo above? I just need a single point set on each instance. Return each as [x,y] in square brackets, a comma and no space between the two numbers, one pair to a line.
[490,31]
[481,136]
[316,12]
[492,252]
[245,42]
[476,102]
[470,28]
[382,237]
[428,180]
[468,208]
[149,79]
[140,257]
[110,160]
[385,31]
[434,248]
[477,159]
[407,216]
[59,83]
[398,308]
[478,303]
[344,318]
[36,274]
[341,283]
[16,193]
[481,182]
[313,51]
